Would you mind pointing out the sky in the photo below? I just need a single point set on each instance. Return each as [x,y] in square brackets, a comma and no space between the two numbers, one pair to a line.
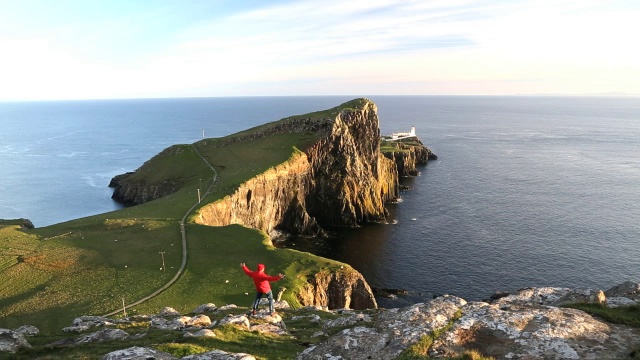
[87,49]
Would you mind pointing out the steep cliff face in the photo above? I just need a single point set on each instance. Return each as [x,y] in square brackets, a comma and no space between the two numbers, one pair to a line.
[132,189]
[134,193]
[273,199]
[350,179]
[338,290]
[408,156]
[342,180]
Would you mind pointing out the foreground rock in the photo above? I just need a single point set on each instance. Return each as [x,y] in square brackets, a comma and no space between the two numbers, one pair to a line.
[517,331]
[395,330]
[138,353]
[12,341]
[525,325]
[338,290]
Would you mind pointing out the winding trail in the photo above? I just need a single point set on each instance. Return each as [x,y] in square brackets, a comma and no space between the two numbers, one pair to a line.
[184,243]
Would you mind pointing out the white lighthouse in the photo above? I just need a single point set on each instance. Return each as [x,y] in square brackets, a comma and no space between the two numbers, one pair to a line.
[404,135]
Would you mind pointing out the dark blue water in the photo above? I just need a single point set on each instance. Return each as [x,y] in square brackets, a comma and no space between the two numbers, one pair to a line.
[57,157]
[527,191]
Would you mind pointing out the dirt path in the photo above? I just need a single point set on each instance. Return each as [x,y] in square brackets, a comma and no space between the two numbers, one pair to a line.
[184,243]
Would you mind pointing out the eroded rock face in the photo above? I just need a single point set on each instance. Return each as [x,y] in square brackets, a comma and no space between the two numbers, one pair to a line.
[269,200]
[209,307]
[342,180]
[28,330]
[554,296]
[11,341]
[219,355]
[351,178]
[338,290]
[103,335]
[532,331]
[138,353]
[84,323]
[394,331]
[408,157]
[239,320]
[130,189]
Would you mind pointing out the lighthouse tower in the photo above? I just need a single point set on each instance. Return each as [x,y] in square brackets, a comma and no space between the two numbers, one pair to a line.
[413,131]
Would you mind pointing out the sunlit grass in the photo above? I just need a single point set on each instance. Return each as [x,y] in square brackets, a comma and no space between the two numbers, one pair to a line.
[89,266]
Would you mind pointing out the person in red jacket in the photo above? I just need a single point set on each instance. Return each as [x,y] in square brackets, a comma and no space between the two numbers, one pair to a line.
[261,281]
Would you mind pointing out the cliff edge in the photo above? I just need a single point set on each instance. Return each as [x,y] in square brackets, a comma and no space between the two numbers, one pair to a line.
[335,176]
[341,180]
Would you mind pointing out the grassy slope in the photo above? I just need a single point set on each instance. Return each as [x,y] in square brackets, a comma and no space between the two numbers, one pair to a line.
[88,265]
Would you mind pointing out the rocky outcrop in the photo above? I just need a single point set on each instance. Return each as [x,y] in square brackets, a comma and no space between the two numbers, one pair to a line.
[137,352]
[395,330]
[407,157]
[525,326]
[25,224]
[133,193]
[12,341]
[338,290]
[341,180]
[273,199]
[133,188]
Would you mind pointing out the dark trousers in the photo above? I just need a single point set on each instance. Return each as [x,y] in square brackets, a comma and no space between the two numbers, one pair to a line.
[256,302]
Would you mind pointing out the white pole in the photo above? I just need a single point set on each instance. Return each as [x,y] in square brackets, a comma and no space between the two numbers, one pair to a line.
[198,196]
[124,309]
[162,254]
[203,133]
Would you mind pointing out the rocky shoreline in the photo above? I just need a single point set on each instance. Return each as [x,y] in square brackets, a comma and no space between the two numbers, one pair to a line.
[529,324]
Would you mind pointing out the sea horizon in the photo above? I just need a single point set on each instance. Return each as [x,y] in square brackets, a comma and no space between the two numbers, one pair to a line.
[550,181]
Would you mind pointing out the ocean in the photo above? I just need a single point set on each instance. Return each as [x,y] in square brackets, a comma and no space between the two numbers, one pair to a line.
[526,191]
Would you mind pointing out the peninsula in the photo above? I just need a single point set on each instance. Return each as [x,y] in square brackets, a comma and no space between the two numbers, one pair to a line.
[142,282]
[202,208]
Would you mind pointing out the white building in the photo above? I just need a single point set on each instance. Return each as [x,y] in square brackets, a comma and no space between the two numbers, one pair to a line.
[404,135]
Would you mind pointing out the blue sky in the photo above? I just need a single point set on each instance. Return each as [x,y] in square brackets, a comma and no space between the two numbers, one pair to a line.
[137,49]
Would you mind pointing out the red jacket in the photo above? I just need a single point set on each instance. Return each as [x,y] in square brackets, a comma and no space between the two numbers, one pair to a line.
[260,279]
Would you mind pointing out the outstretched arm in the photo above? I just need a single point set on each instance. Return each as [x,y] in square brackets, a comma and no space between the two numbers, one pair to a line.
[246,270]
[275,278]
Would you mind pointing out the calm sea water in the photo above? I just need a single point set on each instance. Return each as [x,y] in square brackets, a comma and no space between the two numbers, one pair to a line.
[527,191]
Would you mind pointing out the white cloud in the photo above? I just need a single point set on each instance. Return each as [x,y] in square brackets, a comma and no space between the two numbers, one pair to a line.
[330,47]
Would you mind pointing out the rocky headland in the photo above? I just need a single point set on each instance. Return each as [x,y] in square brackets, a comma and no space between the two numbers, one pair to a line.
[529,324]
[341,180]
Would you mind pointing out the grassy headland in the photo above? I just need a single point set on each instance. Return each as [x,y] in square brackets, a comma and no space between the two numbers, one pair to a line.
[88,266]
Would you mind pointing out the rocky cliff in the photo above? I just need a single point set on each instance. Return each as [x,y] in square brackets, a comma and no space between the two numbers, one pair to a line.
[133,188]
[341,180]
[338,290]
[407,157]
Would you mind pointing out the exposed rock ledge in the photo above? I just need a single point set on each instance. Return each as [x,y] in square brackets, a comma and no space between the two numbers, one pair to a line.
[526,325]
[407,157]
[339,290]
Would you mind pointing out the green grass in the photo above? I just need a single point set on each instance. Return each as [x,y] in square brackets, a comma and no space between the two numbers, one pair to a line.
[625,315]
[87,266]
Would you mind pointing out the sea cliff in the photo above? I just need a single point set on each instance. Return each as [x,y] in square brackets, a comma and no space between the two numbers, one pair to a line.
[340,178]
